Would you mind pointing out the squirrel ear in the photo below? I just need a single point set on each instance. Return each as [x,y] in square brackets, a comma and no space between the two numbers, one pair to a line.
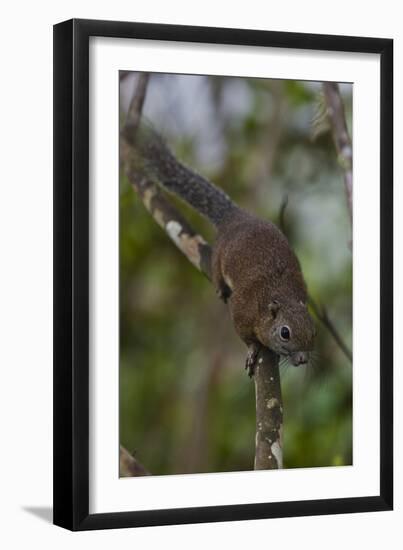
[273,308]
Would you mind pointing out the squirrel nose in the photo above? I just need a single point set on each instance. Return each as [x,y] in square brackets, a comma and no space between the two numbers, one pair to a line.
[299,358]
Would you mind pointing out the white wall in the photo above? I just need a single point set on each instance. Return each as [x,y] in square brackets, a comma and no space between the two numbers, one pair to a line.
[26,259]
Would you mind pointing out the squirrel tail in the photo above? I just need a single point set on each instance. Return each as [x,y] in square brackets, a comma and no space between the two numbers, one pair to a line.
[159,162]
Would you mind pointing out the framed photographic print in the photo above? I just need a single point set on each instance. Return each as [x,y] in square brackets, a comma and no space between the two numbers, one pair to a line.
[223,315]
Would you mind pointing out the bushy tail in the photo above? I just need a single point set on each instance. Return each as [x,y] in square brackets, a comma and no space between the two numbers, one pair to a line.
[159,162]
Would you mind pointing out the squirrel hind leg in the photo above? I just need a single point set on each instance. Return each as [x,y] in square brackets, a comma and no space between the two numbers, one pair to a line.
[251,358]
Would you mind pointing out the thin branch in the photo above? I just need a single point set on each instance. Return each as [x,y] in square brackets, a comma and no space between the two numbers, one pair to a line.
[198,252]
[337,118]
[123,75]
[281,216]
[269,412]
[137,101]
[130,466]
[193,246]
[323,316]
[320,312]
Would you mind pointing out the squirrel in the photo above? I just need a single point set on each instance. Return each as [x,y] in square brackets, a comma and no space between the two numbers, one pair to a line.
[254,269]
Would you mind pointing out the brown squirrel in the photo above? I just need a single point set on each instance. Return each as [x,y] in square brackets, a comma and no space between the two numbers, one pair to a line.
[254,269]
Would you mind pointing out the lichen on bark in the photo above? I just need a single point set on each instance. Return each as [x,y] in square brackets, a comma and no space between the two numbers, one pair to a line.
[269,412]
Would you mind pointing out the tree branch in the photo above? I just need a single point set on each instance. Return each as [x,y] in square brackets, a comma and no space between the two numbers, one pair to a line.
[281,216]
[137,101]
[269,412]
[129,466]
[123,75]
[268,455]
[341,138]
[192,245]
[322,314]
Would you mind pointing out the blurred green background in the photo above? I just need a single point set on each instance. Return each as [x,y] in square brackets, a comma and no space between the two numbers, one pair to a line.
[186,403]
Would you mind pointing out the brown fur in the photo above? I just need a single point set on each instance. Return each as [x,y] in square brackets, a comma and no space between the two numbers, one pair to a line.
[255,268]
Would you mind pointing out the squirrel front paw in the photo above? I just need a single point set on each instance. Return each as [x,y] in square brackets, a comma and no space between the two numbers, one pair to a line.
[251,358]
[224,292]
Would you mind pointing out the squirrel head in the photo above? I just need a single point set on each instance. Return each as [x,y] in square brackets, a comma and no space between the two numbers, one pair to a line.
[287,328]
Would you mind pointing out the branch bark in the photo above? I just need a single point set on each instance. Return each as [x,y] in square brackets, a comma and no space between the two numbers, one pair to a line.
[341,138]
[269,413]
[192,245]
[268,450]
[130,466]
[137,102]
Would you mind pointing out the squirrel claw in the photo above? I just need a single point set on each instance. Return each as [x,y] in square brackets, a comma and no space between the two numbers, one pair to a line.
[250,364]
[224,293]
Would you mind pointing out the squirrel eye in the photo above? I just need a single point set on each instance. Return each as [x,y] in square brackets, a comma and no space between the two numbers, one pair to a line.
[285,333]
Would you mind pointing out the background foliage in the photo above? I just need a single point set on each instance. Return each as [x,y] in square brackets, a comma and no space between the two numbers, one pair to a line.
[186,404]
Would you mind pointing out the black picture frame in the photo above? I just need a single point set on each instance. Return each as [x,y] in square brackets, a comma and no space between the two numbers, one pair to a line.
[71,274]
